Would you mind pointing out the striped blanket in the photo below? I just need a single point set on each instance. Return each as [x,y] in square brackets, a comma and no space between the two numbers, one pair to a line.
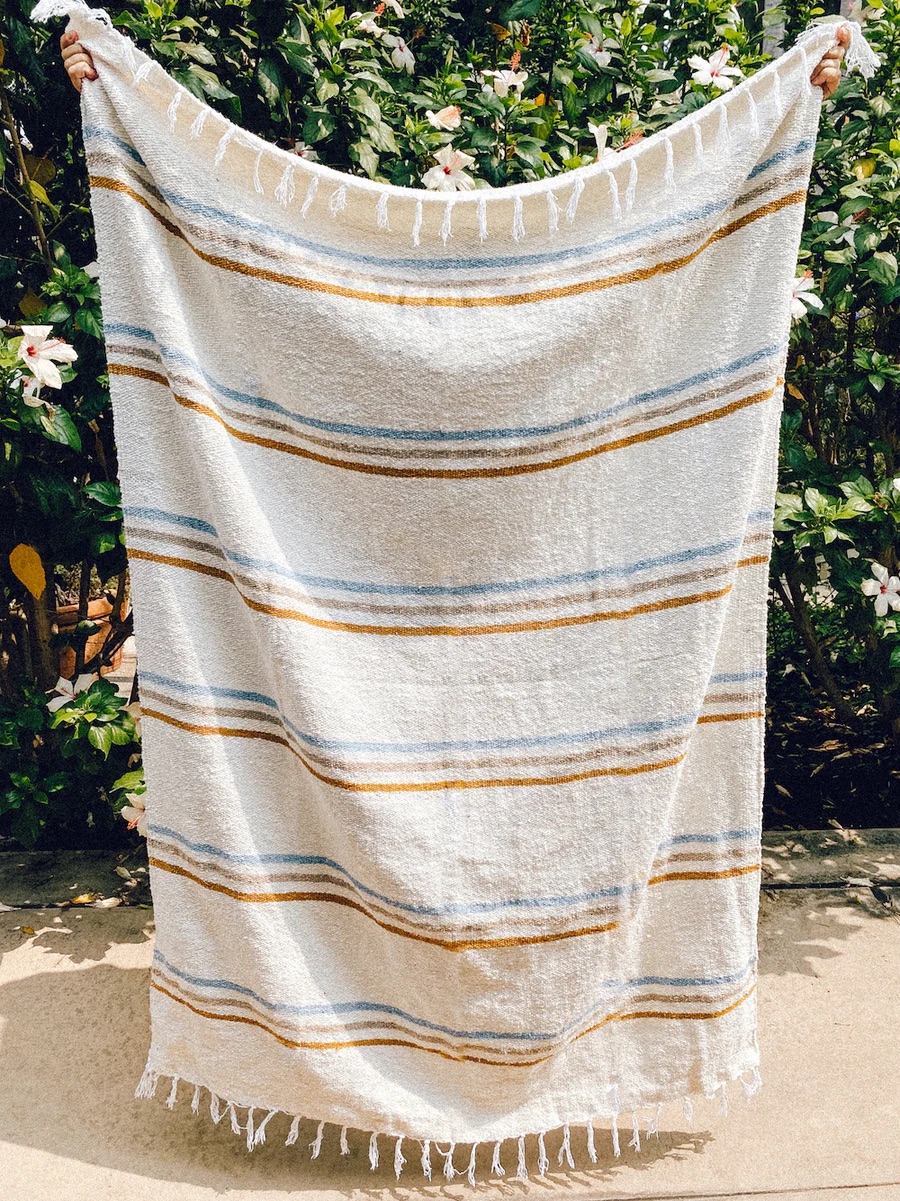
[448,517]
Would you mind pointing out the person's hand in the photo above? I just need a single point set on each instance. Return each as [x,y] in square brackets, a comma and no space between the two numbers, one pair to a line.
[827,74]
[76,60]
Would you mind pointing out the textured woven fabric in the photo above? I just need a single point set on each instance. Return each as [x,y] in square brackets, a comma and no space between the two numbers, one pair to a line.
[448,519]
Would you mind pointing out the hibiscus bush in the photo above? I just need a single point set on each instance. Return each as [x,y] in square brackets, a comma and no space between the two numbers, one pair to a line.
[428,93]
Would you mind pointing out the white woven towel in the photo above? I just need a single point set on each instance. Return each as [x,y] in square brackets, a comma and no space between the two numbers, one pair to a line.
[448,523]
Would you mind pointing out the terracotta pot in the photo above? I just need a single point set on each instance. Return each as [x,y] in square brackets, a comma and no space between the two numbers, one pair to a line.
[66,620]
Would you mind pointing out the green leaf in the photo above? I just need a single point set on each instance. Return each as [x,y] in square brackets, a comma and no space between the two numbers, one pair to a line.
[519,10]
[326,88]
[366,156]
[104,491]
[59,427]
[362,102]
[318,125]
[101,736]
[882,267]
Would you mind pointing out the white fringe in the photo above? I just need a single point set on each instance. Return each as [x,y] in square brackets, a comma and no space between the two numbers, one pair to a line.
[631,190]
[285,191]
[860,55]
[449,1170]
[518,225]
[543,1161]
[417,223]
[591,1148]
[482,218]
[724,131]
[552,213]
[172,111]
[198,123]
[310,195]
[223,145]
[142,72]
[470,1171]
[565,1151]
[698,144]
[399,1160]
[381,213]
[635,1140]
[447,223]
[337,201]
[572,206]
[754,114]
[255,1131]
[670,166]
[776,93]
[522,1171]
[614,196]
[257,182]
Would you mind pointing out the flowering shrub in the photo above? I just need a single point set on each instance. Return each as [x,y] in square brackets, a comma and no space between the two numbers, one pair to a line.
[433,94]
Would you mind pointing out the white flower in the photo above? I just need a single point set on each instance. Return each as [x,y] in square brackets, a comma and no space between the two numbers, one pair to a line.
[395,7]
[31,392]
[449,175]
[884,587]
[445,118]
[67,690]
[601,133]
[714,70]
[135,813]
[41,354]
[506,80]
[594,47]
[401,55]
[303,151]
[368,25]
[802,297]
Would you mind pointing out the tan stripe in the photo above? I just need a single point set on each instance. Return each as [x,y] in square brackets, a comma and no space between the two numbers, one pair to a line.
[447,279]
[637,275]
[450,631]
[270,589]
[708,717]
[423,786]
[493,452]
[460,944]
[421,1036]
[620,1016]
[448,473]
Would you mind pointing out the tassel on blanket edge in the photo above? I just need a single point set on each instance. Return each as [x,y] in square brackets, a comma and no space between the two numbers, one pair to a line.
[254,1131]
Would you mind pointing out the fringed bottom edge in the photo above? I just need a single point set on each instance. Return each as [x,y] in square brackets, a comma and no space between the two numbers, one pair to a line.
[257,1118]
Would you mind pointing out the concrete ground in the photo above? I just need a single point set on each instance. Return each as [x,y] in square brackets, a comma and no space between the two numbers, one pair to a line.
[826,1123]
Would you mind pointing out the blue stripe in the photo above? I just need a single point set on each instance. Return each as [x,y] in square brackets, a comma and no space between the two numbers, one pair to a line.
[646,727]
[95,133]
[338,1008]
[623,571]
[782,156]
[453,909]
[736,677]
[440,435]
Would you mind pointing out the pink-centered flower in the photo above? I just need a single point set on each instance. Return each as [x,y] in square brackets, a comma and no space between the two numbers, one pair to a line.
[135,813]
[401,55]
[67,690]
[505,82]
[445,118]
[450,175]
[594,47]
[714,70]
[884,587]
[601,133]
[40,354]
[803,297]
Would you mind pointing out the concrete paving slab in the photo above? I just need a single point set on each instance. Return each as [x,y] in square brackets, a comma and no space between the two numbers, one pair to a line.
[74,1034]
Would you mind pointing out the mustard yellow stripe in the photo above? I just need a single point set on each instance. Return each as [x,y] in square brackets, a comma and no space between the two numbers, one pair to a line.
[461,1057]
[518,627]
[637,275]
[721,875]
[447,944]
[729,716]
[425,786]
[448,473]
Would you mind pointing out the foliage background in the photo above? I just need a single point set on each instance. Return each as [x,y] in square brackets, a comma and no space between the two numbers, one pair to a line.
[308,77]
